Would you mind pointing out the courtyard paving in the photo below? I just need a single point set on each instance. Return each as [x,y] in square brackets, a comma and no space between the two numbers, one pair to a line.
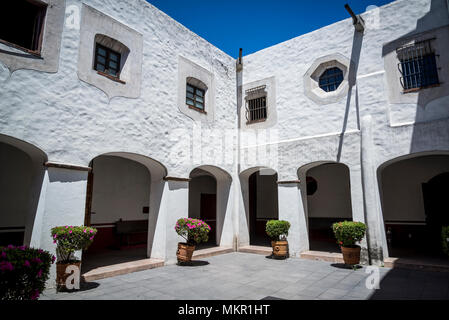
[236,276]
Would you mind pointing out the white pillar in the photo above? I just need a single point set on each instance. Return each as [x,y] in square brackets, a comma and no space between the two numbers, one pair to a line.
[373,214]
[292,210]
[174,205]
[62,204]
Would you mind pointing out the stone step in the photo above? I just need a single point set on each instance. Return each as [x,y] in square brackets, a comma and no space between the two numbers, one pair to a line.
[257,250]
[416,264]
[322,256]
[121,268]
[209,252]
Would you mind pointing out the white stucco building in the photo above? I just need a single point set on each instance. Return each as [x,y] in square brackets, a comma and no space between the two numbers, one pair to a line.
[117,112]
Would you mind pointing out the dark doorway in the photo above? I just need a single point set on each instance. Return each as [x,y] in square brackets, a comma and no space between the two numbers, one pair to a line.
[203,202]
[208,213]
[436,208]
[263,206]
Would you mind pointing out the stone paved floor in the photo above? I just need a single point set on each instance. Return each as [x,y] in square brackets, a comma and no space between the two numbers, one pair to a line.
[250,276]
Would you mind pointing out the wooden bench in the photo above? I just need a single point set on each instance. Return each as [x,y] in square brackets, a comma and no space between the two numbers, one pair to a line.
[132,230]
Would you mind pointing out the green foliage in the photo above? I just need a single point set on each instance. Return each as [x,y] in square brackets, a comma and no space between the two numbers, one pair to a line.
[194,231]
[70,239]
[23,272]
[445,239]
[348,233]
[277,229]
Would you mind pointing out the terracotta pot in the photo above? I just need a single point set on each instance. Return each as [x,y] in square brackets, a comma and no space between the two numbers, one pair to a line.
[351,256]
[280,248]
[61,275]
[184,252]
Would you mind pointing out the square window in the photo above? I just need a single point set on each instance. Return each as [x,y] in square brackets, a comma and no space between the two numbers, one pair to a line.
[418,66]
[107,60]
[195,96]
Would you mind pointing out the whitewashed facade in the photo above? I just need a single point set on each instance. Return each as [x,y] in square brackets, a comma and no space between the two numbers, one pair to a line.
[57,115]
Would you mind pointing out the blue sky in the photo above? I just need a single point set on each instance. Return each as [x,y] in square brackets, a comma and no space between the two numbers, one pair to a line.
[257,24]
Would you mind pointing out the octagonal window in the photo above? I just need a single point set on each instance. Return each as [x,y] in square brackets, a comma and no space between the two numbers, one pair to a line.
[331,79]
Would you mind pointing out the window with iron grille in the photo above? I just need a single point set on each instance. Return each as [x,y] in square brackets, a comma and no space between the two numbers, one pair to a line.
[195,97]
[418,66]
[256,100]
[331,79]
[107,61]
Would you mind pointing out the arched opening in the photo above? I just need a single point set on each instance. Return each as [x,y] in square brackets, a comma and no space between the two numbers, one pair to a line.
[326,193]
[260,192]
[208,199]
[413,191]
[123,198]
[21,176]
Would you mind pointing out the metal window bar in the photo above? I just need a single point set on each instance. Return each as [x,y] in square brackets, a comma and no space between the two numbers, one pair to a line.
[257,109]
[417,65]
[256,106]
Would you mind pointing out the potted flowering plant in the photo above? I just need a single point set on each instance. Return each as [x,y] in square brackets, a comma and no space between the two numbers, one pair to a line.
[194,231]
[68,240]
[348,233]
[277,230]
[23,272]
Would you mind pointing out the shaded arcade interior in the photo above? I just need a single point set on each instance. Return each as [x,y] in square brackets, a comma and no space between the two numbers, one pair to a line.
[263,204]
[415,205]
[21,176]
[118,201]
[327,199]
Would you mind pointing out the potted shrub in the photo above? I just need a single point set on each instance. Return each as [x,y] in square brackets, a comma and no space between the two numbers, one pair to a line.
[194,231]
[69,239]
[23,272]
[348,233]
[277,230]
[445,239]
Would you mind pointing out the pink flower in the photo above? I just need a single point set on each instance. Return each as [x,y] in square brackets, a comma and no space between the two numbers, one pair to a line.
[27,263]
[53,258]
[91,231]
[3,254]
[70,231]
[84,231]
[91,238]
[35,295]
[39,273]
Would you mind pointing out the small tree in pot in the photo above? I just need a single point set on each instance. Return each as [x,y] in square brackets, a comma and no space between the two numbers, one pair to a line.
[348,233]
[194,231]
[68,240]
[277,230]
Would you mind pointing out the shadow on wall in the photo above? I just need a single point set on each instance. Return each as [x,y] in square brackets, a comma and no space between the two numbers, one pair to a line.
[357,42]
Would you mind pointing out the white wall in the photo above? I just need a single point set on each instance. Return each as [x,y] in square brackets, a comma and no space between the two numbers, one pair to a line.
[121,189]
[401,186]
[332,198]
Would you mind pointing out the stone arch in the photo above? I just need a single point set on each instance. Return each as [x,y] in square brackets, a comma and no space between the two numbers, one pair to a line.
[259,209]
[209,189]
[409,197]
[22,174]
[124,194]
[329,202]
